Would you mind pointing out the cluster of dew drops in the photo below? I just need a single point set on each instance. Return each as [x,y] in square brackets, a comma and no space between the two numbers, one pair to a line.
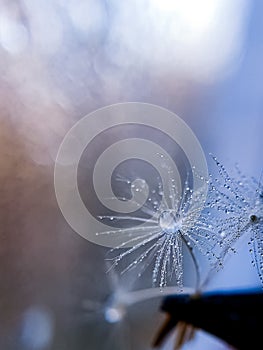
[233,207]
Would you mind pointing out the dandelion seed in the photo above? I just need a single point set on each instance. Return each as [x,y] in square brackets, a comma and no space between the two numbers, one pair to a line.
[239,202]
[175,222]
[115,307]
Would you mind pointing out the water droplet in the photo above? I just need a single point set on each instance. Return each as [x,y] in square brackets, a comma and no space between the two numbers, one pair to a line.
[113,314]
[169,221]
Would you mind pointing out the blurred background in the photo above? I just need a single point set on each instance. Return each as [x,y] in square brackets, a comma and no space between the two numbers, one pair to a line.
[62,59]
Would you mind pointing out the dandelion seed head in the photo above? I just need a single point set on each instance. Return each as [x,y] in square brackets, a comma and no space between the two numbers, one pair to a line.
[239,198]
[175,220]
[237,201]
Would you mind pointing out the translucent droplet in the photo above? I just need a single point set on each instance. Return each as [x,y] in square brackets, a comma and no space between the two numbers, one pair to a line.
[169,222]
[113,314]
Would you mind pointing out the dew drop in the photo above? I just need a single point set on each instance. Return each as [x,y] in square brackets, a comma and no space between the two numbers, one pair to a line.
[169,221]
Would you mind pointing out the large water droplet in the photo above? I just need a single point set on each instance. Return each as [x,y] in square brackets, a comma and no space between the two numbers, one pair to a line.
[113,314]
[169,221]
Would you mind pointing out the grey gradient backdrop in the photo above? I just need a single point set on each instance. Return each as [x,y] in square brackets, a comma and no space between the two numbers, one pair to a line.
[60,60]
